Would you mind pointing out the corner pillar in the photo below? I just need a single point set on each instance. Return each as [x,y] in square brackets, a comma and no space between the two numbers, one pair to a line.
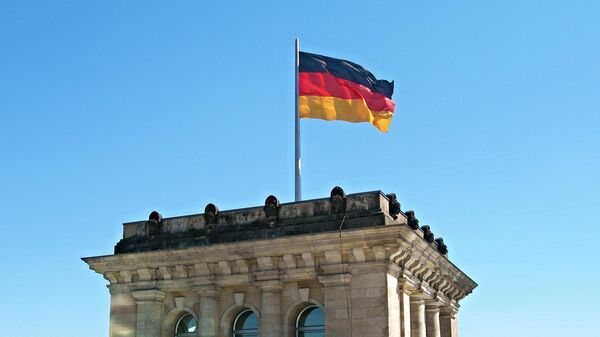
[122,312]
[149,312]
[270,309]
[209,312]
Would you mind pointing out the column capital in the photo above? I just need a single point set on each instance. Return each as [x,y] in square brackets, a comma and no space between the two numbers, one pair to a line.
[448,311]
[432,306]
[153,295]
[406,283]
[208,291]
[270,286]
[335,280]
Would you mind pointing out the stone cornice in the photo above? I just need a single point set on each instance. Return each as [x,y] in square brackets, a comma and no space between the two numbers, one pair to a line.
[297,258]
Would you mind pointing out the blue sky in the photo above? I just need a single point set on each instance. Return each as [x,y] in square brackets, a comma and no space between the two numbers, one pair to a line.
[112,109]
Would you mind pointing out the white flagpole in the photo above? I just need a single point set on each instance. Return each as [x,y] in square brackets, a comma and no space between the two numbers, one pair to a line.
[297,120]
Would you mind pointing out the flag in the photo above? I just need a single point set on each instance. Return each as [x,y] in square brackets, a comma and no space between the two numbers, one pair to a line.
[335,89]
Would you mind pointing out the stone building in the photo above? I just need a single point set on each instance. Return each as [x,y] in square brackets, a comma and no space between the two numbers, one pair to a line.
[344,266]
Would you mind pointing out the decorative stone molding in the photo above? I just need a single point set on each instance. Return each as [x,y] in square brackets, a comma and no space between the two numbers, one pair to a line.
[165,272]
[149,295]
[126,276]
[239,298]
[225,267]
[242,266]
[290,261]
[335,280]
[209,291]
[270,286]
[303,294]
[359,254]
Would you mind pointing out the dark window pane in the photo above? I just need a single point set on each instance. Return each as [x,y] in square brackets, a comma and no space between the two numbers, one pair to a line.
[186,324]
[247,320]
[312,317]
[246,325]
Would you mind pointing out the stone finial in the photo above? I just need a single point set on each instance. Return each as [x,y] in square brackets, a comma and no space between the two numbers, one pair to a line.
[272,208]
[338,200]
[153,223]
[427,234]
[442,248]
[155,216]
[210,215]
[394,205]
[413,222]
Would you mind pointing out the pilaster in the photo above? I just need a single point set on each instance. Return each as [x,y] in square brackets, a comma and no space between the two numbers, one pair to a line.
[448,321]
[209,311]
[149,312]
[336,298]
[270,308]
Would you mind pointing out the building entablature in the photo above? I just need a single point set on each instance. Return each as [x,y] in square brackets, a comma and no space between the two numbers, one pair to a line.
[292,259]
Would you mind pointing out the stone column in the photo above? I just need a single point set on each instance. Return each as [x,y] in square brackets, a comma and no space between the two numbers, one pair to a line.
[417,316]
[270,309]
[335,293]
[432,318]
[448,322]
[149,312]
[208,325]
[404,289]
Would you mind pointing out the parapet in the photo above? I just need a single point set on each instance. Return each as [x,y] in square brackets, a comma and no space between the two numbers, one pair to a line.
[338,212]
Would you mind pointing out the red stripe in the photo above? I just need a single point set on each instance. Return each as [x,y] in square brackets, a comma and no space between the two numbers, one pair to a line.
[325,84]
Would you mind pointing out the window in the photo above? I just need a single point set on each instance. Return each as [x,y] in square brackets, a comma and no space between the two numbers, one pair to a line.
[186,326]
[311,322]
[245,324]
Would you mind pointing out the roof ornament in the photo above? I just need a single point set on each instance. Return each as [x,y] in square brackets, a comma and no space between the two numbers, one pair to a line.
[427,234]
[211,212]
[338,200]
[153,223]
[442,248]
[394,205]
[413,222]
[271,208]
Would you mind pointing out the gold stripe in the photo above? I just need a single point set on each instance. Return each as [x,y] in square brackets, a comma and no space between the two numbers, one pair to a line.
[350,110]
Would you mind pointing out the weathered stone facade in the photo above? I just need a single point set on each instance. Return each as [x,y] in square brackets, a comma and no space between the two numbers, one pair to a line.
[370,268]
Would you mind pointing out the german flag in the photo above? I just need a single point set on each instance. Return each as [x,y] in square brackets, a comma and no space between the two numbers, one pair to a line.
[335,89]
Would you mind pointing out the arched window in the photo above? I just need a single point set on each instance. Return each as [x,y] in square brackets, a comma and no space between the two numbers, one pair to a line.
[186,326]
[311,322]
[245,324]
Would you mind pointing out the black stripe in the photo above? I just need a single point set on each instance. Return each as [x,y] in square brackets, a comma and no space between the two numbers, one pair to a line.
[346,70]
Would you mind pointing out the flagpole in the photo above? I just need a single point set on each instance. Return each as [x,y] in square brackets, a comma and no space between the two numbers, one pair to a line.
[298,179]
